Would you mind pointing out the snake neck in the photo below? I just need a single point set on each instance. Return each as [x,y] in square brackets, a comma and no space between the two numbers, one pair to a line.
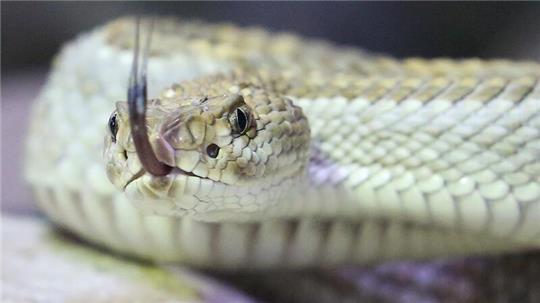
[317,192]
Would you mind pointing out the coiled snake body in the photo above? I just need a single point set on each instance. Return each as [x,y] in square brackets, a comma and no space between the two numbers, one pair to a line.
[288,152]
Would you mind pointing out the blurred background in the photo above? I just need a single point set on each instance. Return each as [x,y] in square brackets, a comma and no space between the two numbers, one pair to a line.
[32,33]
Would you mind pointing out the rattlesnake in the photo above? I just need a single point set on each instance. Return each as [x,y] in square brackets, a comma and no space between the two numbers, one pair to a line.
[287,152]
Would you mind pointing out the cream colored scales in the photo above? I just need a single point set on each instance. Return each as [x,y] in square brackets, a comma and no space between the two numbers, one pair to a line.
[345,157]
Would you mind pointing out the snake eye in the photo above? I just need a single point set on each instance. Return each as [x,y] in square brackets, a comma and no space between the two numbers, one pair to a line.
[113,126]
[212,150]
[240,120]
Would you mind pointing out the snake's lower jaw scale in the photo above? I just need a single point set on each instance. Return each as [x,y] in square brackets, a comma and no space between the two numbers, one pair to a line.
[142,198]
[171,195]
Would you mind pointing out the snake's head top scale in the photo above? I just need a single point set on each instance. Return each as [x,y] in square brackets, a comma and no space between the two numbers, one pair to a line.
[214,147]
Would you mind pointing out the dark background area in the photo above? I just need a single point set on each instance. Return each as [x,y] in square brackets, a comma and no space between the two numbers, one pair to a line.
[33,32]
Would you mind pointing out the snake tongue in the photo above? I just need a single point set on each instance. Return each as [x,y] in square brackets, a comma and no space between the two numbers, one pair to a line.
[136,176]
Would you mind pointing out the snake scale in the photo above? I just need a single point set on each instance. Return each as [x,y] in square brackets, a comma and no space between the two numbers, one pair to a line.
[287,152]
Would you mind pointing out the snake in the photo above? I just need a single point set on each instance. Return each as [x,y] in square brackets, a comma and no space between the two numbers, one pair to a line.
[268,150]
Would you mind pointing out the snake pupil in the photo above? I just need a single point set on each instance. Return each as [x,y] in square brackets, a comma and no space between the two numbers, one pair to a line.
[113,126]
[212,150]
[241,120]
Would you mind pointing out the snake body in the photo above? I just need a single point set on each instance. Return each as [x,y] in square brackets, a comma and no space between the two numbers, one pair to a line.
[350,157]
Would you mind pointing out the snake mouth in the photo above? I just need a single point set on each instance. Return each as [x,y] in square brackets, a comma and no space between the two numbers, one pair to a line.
[136,176]
[175,171]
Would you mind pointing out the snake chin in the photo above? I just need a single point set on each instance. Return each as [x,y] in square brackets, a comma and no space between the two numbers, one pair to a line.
[184,194]
[179,193]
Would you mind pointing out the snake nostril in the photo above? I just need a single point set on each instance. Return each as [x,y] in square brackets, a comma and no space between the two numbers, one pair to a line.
[125,155]
[212,150]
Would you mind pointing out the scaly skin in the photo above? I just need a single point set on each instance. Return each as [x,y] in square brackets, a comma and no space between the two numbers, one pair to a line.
[410,158]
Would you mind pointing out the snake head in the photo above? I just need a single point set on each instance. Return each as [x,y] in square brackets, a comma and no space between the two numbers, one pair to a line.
[232,144]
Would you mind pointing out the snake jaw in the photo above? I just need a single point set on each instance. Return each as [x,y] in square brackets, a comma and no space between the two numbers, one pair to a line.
[133,178]
[119,172]
[123,164]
